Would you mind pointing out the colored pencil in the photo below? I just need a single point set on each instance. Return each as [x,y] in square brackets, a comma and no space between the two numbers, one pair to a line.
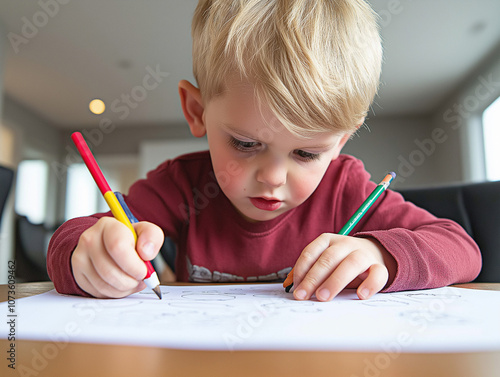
[288,283]
[117,210]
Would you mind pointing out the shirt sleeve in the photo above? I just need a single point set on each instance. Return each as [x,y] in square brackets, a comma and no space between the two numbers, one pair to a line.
[430,252]
[61,247]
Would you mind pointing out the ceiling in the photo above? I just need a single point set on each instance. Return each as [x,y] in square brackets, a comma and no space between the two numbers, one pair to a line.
[59,57]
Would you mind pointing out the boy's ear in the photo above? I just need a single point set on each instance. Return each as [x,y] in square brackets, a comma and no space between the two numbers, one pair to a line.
[192,106]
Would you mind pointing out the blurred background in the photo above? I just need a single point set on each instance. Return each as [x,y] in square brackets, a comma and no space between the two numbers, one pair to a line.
[435,121]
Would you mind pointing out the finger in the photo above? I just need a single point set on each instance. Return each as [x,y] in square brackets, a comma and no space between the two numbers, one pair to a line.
[80,278]
[309,257]
[111,273]
[319,272]
[140,287]
[349,268]
[89,287]
[90,281]
[150,238]
[119,243]
[101,289]
[376,280]
[80,262]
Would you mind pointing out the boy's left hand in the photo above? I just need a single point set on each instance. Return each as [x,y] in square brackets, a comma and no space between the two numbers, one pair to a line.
[333,262]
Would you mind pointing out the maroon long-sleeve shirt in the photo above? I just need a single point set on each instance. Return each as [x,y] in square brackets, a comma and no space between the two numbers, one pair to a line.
[214,243]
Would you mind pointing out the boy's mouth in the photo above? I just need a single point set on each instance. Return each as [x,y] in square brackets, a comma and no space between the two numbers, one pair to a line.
[266,204]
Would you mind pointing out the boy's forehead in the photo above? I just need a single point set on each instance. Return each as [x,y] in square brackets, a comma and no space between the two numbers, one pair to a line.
[245,105]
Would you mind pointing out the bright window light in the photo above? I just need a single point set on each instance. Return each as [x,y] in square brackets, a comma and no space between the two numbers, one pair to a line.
[83,197]
[81,192]
[31,190]
[491,134]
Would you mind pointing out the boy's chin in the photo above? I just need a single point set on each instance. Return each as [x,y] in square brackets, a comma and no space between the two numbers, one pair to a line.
[259,215]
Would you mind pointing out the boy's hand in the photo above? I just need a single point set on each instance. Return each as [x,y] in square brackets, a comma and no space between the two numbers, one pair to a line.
[333,262]
[105,262]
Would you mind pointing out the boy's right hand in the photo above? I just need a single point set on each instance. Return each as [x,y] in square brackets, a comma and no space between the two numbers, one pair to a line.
[106,264]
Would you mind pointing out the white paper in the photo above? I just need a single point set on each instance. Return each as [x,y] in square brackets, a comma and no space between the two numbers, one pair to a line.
[264,317]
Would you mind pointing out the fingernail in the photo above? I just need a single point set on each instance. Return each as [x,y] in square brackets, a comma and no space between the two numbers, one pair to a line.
[365,292]
[148,250]
[323,294]
[301,294]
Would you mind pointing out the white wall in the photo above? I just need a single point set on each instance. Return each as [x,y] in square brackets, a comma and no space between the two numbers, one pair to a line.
[441,148]
[461,115]
[401,144]
[153,153]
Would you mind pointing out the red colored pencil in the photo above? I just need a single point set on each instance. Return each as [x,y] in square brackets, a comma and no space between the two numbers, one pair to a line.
[151,278]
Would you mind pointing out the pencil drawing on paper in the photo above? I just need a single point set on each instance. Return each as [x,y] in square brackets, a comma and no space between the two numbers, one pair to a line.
[381,302]
[263,316]
[434,317]
[208,296]
[216,306]
[104,304]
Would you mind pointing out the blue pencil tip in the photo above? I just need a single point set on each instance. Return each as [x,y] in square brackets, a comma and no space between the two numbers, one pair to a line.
[393,174]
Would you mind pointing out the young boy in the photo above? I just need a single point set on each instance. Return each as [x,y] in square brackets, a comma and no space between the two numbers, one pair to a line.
[282,85]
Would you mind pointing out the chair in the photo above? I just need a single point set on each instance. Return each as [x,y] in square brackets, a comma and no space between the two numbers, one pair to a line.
[476,207]
[6,179]
[31,250]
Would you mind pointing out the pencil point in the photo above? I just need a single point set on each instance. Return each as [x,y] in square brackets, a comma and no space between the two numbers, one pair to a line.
[157,290]
[287,289]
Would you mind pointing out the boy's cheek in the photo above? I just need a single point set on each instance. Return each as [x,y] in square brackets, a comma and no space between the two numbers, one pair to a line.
[232,174]
[232,185]
[305,186]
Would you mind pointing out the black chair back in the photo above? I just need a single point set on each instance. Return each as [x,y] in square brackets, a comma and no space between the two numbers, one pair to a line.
[474,206]
[6,179]
[31,250]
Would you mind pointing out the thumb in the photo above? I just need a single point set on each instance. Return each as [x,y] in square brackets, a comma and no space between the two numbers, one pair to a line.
[150,238]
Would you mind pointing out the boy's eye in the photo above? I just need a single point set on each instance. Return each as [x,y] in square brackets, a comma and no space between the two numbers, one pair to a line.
[307,156]
[241,145]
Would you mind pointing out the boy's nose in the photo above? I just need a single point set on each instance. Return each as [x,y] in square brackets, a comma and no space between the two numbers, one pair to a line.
[272,172]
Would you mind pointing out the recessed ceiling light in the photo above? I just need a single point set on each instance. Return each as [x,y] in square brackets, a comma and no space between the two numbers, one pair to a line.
[97,106]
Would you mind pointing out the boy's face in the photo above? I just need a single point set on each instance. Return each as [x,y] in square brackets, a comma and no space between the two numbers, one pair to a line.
[263,168]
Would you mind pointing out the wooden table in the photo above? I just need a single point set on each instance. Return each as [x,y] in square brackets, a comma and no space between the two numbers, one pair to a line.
[35,358]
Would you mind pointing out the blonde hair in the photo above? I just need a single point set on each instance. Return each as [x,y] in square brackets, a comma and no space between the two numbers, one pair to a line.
[315,63]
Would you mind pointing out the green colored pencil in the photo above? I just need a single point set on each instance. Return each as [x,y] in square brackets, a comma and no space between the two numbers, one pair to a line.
[288,283]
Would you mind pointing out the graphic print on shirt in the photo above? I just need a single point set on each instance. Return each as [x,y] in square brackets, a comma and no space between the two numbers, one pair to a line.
[200,274]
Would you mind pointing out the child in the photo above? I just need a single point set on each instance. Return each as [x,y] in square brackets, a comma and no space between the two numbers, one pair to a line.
[282,85]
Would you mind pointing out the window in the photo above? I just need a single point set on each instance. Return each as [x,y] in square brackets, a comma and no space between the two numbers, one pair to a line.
[31,190]
[491,135]
[83,198]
